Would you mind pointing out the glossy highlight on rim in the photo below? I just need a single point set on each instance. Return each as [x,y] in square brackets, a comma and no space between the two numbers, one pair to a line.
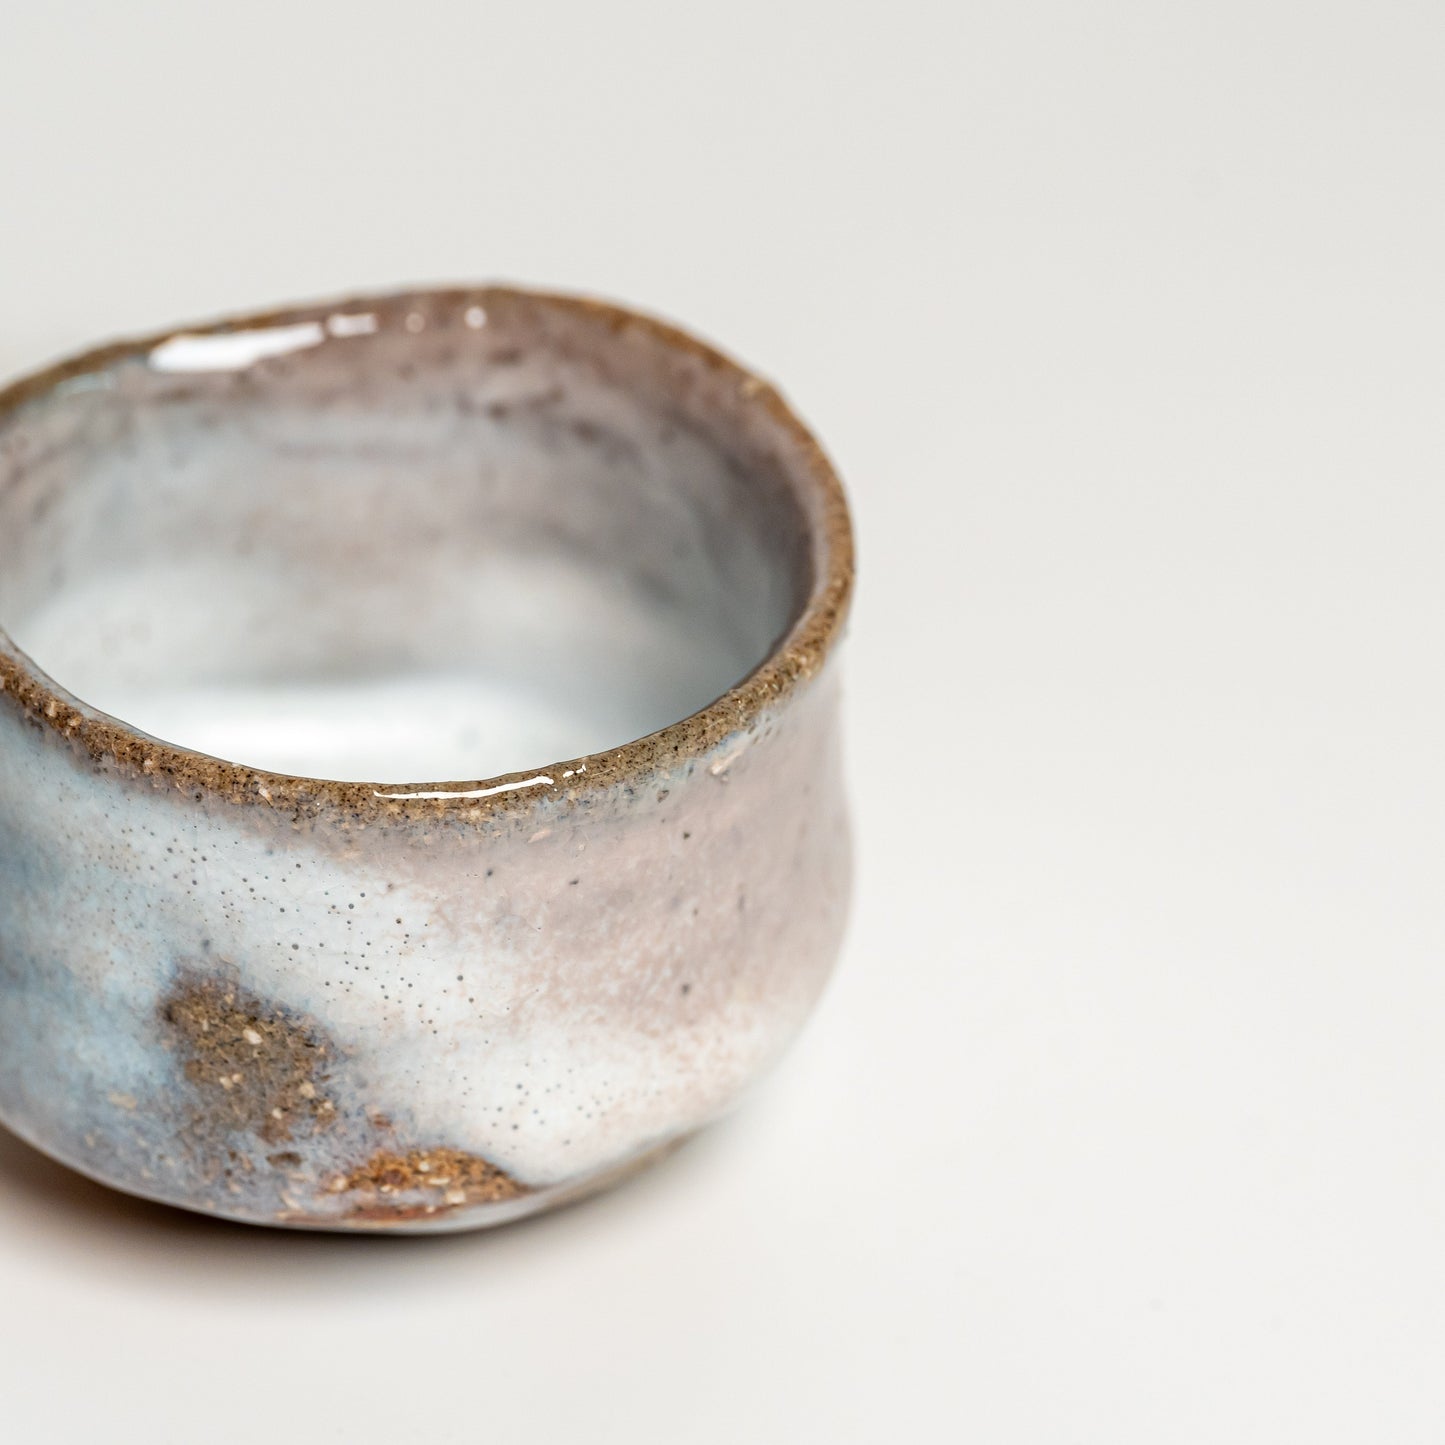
[799,654]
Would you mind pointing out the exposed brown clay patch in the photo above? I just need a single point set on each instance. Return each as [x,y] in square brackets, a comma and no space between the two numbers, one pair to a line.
[257,1069]
[387,1186]
[262,1070]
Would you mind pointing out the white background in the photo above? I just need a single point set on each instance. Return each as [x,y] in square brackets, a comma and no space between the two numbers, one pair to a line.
[1122,1121]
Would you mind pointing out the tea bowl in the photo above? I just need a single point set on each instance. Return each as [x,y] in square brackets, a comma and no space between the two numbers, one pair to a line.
[247,569]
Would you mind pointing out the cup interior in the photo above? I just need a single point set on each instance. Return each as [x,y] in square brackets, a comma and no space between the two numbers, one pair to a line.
[438,537]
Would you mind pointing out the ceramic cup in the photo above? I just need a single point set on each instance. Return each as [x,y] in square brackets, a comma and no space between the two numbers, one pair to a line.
[248,568]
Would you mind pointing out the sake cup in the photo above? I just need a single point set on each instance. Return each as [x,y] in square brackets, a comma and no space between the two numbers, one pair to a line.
[575,571]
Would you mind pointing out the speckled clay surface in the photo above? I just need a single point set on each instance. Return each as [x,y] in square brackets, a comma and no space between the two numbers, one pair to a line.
[421,1005]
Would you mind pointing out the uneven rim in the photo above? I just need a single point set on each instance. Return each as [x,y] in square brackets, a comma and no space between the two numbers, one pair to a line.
[113,745]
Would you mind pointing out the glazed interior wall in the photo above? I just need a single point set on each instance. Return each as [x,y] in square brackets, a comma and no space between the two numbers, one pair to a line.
[478,503]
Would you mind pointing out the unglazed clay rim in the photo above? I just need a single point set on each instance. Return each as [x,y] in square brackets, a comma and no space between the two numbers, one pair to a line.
[794,659]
